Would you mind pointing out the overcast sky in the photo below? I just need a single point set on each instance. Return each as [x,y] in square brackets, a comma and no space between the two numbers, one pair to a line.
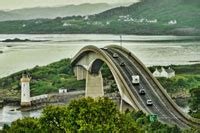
[15,4]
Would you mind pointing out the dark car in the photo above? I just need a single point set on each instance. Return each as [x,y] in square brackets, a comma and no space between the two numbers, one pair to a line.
[142,92]
[122,64]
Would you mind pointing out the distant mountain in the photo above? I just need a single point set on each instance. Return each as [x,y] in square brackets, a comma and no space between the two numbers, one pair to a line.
[148,17]
[53,12]
[7,16]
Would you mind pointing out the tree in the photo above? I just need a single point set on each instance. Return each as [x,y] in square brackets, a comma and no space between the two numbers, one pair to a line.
[88,115]
[25,125]
[97,115]
[194,102]
[53,119]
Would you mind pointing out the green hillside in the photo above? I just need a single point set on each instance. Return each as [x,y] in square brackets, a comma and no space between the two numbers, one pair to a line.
[149,17]
[156,15]
[183,11]
[45,79]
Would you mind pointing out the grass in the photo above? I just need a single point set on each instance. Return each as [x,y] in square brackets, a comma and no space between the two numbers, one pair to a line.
[45,79]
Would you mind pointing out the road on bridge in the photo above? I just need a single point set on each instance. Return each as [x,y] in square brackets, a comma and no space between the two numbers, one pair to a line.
[159,107]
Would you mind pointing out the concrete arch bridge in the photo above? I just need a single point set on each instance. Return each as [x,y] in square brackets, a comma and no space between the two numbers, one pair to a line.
[87,65]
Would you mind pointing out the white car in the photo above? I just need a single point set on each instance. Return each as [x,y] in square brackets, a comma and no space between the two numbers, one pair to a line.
[149,103]
[115,55]
[135,79]
[105,48]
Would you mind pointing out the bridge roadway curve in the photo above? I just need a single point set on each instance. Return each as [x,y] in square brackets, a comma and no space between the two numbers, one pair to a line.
[159,108]
[164,106]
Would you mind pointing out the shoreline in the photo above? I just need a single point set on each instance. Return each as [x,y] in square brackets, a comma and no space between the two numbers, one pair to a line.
[197,35]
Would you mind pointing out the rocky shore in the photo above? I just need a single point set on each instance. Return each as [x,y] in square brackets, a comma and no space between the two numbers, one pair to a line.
[22,40]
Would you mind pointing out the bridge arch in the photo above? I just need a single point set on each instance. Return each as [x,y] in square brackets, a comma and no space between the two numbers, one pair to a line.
[91,59]
[95,66]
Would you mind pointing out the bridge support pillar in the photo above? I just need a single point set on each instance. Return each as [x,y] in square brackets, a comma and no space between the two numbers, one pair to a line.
[121,105]
[80,73]
[94,85]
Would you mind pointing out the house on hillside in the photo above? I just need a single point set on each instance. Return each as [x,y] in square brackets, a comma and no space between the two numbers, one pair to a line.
[166,73]
[172,22]
[66,24]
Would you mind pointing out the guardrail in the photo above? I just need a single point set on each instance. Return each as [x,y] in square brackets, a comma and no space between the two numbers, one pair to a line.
[39,97]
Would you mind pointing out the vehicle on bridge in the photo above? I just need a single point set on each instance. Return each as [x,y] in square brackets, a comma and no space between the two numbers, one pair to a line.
[142,92]
[105,48]
[135,79]
[115,55]
[149,102]
[122,64]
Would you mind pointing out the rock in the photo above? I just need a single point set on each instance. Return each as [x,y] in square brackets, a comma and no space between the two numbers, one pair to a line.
[21,40]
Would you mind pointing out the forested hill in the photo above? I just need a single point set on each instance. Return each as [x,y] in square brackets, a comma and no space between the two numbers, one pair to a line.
[148,17]
[186,13]
[158,9]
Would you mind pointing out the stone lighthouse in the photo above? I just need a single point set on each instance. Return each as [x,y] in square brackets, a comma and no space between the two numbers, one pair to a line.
[25,90]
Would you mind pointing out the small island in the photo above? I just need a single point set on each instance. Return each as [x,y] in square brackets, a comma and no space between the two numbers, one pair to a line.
[22,40]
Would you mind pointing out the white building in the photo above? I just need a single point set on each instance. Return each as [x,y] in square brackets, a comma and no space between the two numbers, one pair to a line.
[172,22]
[24,25]
[166,73]
[156,73]
[25,90]
[171,72]
[107,23]
[62,90]
[66,24]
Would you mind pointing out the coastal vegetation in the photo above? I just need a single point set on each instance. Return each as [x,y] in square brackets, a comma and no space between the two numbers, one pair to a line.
[194,102]
[45,79]
[90,115]
[48,79]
